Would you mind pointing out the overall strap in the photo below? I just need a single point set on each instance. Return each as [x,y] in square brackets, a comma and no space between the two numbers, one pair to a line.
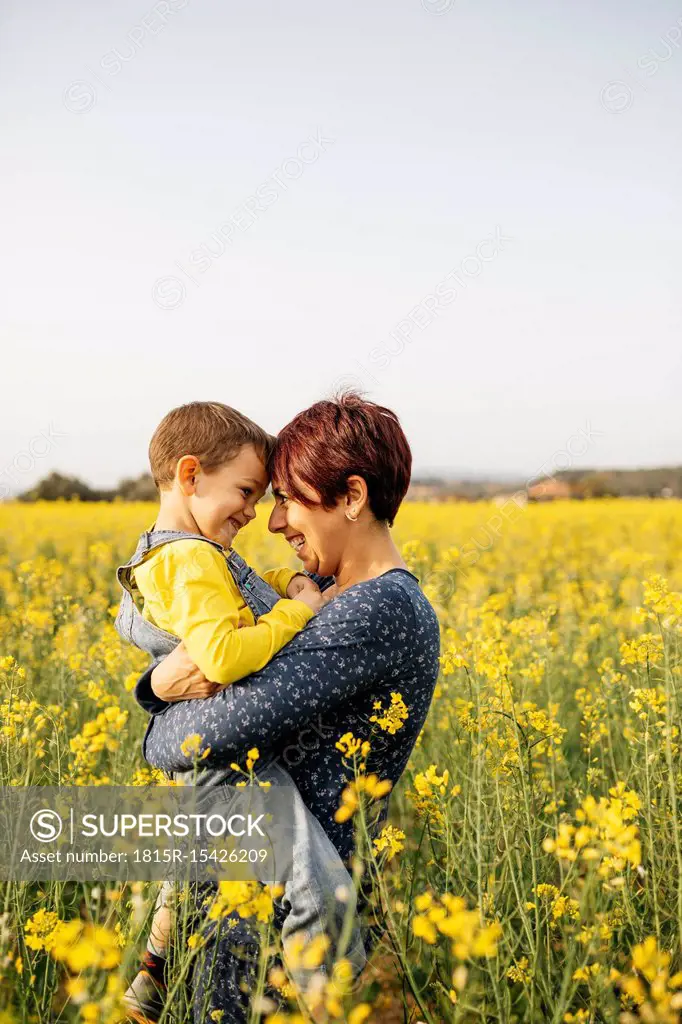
[130,624]
[149,541]
[258,595]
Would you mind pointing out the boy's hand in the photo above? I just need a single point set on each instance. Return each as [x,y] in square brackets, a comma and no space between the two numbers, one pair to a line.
[309,593]
[298,583]
[178,678]
[330,593]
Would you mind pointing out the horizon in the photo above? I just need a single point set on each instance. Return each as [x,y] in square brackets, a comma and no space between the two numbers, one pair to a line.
[446,476]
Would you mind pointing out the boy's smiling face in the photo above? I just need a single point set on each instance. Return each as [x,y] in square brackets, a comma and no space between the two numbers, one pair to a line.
[224,500]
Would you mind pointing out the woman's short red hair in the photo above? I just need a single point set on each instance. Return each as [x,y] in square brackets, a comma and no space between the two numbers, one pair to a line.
[338,438]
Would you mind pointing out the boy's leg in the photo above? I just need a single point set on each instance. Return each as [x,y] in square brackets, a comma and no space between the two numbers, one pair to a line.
[157,943]
[319,900]
[319,895]
[145,997]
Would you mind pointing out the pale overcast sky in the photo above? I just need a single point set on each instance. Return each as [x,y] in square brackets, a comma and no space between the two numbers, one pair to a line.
[469,208]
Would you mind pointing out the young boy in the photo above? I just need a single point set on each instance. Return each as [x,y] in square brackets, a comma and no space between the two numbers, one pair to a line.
[209,464]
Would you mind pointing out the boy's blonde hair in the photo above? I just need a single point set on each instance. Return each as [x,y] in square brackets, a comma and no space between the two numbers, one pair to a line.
[210,430]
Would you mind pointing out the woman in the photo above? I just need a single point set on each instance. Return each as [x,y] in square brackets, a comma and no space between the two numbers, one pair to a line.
[340,471]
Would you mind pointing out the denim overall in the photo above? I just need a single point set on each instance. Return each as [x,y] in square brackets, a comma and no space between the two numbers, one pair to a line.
[135,629]
[308,906]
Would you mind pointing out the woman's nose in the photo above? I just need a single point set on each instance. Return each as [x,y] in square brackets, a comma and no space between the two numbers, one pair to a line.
[277,520]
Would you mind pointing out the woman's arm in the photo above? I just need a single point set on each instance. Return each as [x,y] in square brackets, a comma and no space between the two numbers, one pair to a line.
[182,680]
[365,637]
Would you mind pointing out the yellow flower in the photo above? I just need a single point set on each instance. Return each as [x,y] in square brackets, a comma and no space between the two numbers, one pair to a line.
[350,745]
[394,717]
[248,899]
[587,972]
[647,700]
[519,971]
[368,785]
[390,840]
[428,786]
[40,930]
[648,960]
[646,649]
[607,833]
[429,781]
[449,916]
[359,1014]
[191,747]
[81,945]
[77,990]
[423,928]
[308,955]
[150,777]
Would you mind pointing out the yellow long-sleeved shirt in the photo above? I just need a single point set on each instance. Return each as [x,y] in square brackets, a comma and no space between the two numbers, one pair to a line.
[189,591]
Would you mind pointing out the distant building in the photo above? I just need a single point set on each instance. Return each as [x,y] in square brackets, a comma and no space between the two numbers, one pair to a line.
[550,489]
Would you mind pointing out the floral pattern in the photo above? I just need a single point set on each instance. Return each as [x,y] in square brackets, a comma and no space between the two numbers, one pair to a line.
[377,637]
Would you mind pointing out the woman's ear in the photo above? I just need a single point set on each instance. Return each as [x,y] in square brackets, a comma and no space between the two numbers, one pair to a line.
[186,473]
[356,497]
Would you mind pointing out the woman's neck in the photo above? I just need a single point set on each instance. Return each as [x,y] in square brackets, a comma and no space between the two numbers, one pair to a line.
[370,553]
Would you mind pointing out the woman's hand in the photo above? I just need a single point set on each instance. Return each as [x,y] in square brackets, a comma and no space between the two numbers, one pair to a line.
[178,678]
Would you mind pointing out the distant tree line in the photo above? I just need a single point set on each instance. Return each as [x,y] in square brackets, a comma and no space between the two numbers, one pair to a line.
[57,485]
[572,483]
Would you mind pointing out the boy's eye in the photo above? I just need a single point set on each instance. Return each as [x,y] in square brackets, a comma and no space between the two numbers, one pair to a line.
[246,491]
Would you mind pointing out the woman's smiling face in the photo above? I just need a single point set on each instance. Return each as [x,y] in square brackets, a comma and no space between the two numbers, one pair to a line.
[317,535]
[339,469]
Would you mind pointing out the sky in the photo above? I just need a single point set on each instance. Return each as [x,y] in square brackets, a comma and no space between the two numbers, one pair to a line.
[468,209]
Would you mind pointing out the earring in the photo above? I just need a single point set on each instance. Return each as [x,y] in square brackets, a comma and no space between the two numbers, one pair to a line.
[352,518]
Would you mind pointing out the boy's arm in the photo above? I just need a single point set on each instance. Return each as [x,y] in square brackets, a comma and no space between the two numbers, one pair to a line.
[279,579]
[194,599]
[290,582]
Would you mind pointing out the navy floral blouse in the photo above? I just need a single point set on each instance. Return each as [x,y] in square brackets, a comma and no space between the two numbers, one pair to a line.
[378,637]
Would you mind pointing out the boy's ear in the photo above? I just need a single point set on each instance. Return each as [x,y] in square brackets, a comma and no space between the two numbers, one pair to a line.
[186,473]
